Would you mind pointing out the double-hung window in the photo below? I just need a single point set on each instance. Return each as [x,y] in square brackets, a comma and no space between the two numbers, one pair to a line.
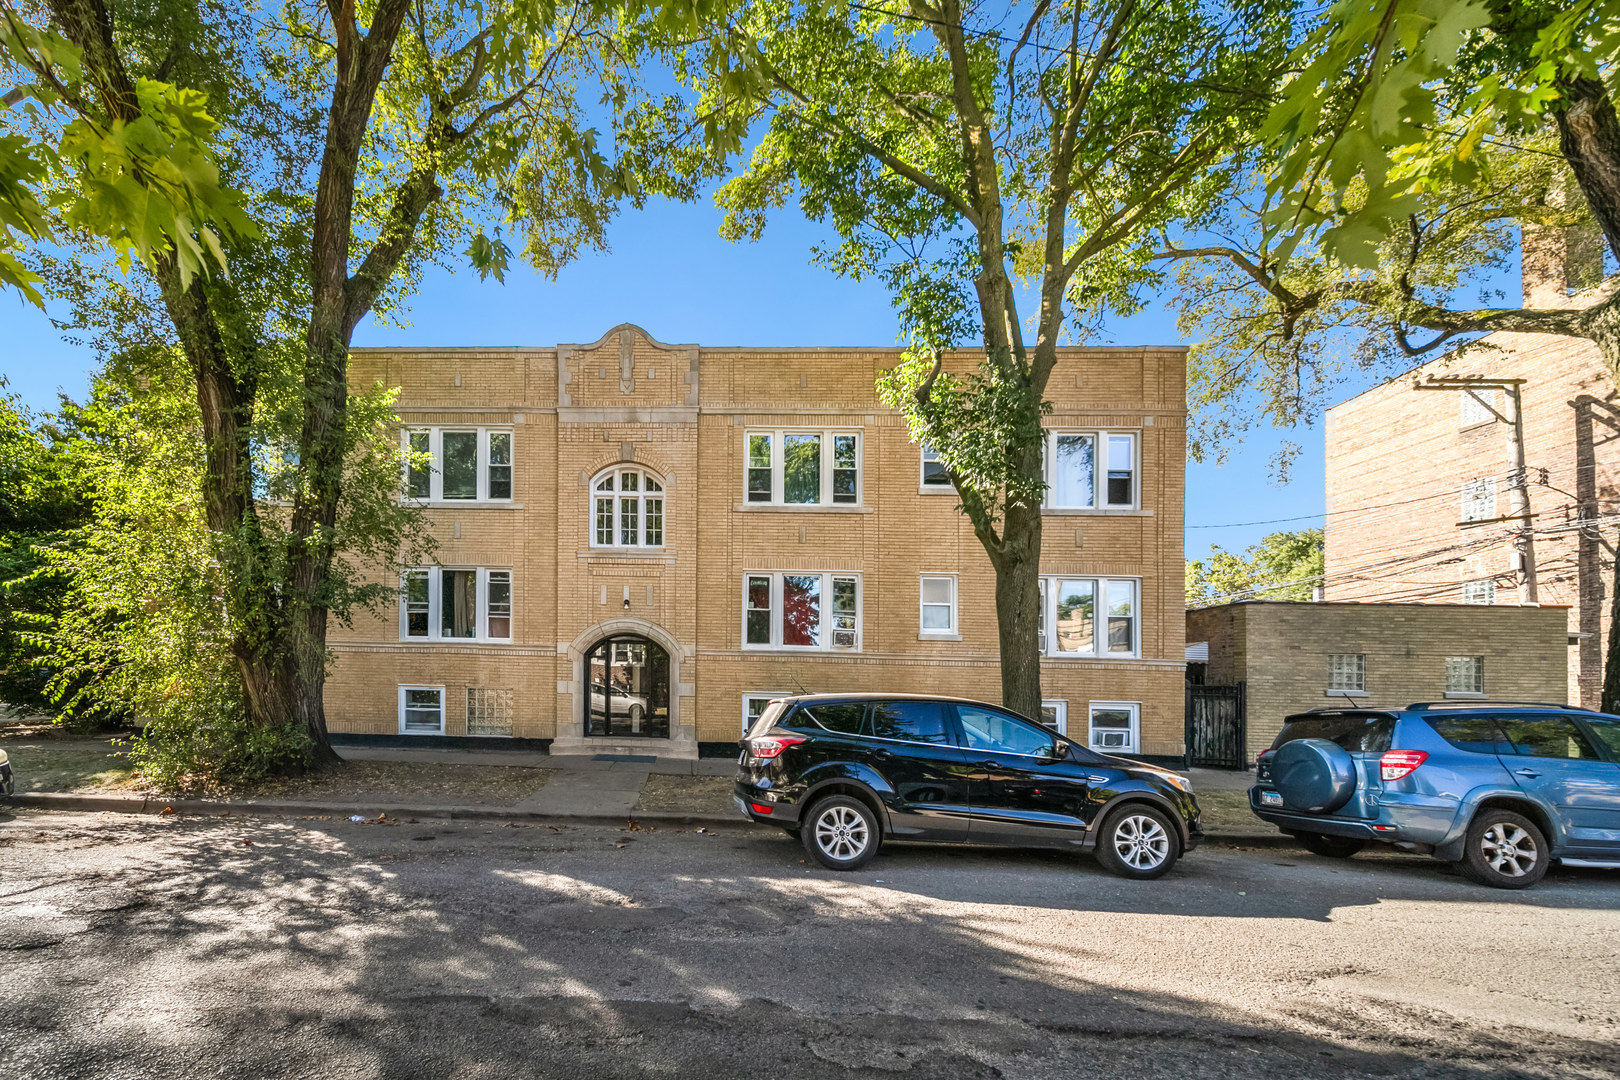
[627,509]
[1090,470]
[443,603]
[1479,499]
[421,710]
[934,476]
[801,610]
[1085,616]
[458,464]
[786,467]
[1114,726]
[938,597]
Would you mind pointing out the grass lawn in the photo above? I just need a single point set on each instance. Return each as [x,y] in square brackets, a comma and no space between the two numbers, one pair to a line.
[412,782]
[43,762]
[47,759]
[1228,810]
[666,794]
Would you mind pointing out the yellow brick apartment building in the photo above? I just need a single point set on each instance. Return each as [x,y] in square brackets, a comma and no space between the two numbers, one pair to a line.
[639,544]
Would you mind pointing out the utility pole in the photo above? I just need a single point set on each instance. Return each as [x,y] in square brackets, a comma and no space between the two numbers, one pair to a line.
[1524,550]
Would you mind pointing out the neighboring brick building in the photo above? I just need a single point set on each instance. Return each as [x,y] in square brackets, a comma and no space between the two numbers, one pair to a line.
[1418,481]
[1297,656]
[640,543]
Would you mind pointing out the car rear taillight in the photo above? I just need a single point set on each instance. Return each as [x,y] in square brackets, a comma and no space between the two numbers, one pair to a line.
[1397,764]
[764,749]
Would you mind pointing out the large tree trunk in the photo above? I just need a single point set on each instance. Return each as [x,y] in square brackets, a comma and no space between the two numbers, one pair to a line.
[1017,562]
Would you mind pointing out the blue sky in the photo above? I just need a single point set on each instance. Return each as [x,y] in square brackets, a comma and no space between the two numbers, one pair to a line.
[671,273]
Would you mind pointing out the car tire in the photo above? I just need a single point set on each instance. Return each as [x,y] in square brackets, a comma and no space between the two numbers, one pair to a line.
[1330,847]
[1504,850]
[840,832]
[1136,841]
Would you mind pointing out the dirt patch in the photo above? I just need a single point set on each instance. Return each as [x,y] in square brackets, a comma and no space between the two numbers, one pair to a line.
[1227,810]
[666,794]
[412,782]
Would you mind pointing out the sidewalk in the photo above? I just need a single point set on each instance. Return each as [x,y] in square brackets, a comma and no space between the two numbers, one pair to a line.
[567,789]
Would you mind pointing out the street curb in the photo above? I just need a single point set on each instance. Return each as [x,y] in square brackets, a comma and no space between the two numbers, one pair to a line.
[140,804]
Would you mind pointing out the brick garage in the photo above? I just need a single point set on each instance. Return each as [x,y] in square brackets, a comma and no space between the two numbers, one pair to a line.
[683,417]
[1284,654]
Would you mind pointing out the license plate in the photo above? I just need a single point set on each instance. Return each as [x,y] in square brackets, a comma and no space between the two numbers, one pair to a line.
[742,807]
[1268,798]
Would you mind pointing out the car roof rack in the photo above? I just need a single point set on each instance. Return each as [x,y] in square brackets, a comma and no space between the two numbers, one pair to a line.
[1486,703]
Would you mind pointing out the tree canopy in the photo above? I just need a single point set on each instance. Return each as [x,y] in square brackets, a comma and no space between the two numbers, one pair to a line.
[1005,175]
[1282,566]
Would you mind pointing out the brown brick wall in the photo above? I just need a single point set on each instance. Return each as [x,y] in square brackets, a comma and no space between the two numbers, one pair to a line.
[1280,651]
[629,397]
[1396,459]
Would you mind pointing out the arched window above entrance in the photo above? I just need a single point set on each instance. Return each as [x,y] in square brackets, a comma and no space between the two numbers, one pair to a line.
[627,508]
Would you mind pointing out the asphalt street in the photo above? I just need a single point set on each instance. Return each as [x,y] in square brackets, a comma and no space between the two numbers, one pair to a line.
[173,947]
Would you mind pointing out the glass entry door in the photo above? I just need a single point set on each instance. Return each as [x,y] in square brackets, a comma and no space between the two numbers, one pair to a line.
[628,697]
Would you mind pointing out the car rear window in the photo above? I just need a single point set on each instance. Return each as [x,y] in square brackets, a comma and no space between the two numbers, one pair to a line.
[1476,734]
[1353,731]
[843,717]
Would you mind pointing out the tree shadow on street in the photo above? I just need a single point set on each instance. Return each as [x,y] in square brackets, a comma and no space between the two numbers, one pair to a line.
[321,948]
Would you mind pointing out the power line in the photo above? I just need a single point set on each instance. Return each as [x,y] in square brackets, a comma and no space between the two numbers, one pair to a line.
[1326,513]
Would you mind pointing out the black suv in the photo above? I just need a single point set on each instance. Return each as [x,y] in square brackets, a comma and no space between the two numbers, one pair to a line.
[847,772]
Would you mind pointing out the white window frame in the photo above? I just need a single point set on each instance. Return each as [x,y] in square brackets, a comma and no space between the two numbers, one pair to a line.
[617,498]
[1479,591]
[435,609]
[1135,736]
[825,501]
[954,630]
[1360,671]
[1099,632]
[943,486]
[1477,499]
[1099,466]
[435,468]
[824,631]
[1060,709]
[1476,673]
[748,721]
[421,686]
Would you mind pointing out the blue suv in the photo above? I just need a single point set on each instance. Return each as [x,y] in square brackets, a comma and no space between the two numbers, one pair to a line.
[1500,789]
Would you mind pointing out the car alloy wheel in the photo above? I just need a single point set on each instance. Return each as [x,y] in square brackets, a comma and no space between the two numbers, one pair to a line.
[1141,842]
[1136,841]
[841,832]
[1504,850]
[1509,850]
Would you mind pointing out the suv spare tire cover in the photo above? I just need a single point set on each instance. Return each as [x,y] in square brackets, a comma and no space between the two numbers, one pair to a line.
[1314,775]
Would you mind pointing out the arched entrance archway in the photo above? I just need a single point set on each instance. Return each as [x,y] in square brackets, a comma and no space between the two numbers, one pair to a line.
[627,696]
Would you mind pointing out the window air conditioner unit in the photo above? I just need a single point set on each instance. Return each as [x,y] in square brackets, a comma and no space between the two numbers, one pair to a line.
[1111,740]
[843,639]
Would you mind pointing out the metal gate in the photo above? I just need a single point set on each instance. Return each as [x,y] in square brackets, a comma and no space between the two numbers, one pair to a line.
[1216,727]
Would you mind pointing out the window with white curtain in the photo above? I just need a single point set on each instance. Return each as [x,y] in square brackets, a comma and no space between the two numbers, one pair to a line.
[938,601]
